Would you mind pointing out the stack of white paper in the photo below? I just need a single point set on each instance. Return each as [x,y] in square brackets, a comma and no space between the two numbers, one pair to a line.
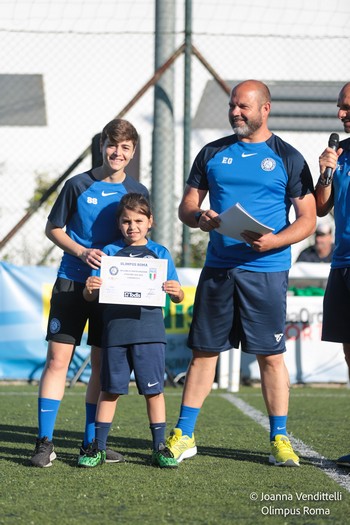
[236,219]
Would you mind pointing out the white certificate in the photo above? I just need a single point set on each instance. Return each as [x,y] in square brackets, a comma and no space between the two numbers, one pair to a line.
[127,280]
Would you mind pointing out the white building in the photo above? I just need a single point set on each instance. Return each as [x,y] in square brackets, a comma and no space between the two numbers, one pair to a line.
[86,59]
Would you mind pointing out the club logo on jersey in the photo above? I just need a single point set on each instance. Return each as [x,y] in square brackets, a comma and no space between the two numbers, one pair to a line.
[113,270]
[268,164]
[55,325]
[152,273]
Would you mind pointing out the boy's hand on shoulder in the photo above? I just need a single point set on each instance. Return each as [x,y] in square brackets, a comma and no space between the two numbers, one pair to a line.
[92,257]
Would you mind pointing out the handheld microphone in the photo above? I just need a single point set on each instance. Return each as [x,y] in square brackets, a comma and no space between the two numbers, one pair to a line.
[333,143]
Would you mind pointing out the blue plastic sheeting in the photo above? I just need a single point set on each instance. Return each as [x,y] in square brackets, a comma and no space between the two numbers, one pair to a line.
[24,304]
[25,293]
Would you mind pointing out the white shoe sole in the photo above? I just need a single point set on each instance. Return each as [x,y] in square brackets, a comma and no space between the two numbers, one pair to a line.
[52,457]
[187,454]
[288,463]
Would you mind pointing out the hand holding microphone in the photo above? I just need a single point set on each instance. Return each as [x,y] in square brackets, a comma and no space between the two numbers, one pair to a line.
[333,143]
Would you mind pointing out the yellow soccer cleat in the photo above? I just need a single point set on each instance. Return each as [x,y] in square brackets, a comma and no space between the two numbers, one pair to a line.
[182,447]
[282,454]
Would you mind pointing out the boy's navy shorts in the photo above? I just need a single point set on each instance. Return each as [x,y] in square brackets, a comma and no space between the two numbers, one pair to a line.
[236,307]
[147,360]
[69,313]
[336,307]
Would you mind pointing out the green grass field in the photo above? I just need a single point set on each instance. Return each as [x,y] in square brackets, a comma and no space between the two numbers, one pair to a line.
[228,482]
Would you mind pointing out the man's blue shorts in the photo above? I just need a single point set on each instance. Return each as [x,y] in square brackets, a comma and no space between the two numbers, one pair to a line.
[235,306]
[147,360]
[336,307]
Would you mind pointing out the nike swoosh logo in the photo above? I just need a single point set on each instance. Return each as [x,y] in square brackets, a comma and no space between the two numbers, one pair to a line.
[152,384]
[281,428]
[43,410]
[135,254]
[104,194]
[244,155]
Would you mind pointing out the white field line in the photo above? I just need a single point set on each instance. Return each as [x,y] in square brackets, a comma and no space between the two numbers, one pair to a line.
[303,394]
[340,476]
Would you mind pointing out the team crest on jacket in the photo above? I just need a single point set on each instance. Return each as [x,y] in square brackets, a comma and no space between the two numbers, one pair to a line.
[268,164]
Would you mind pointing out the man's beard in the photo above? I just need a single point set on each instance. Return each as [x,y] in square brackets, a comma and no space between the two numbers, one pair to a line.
[247,129]
[346,125]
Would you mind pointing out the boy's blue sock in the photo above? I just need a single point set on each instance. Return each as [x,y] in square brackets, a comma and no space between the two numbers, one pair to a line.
[158,434]
[278,425]
[90,413]
[187,419]
[47,413]
[101,434]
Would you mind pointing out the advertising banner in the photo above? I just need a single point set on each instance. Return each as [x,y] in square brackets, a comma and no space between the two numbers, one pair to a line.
[25,293]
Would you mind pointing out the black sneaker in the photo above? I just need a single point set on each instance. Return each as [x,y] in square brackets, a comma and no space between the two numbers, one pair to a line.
[344,461]
[43,454]
[111,455]
[114,457]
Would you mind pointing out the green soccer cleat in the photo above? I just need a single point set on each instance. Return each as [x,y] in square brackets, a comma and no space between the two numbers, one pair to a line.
[282,454]
[111,455]
[163,457]
[182,447]
[92,458]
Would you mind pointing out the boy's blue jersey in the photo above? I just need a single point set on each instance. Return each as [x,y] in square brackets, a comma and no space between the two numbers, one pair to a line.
[341,183]
[262,177]
[87,208]
[129,324]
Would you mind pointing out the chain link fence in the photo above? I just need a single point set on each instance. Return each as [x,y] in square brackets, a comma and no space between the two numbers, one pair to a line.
[67,68]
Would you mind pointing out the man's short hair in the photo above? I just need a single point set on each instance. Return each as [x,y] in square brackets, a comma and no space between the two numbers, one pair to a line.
[323,229]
